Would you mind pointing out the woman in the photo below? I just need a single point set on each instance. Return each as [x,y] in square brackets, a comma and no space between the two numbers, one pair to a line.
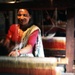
[23,36]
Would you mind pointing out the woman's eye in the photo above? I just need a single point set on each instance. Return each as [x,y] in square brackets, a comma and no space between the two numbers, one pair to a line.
[25,15]
[19,14]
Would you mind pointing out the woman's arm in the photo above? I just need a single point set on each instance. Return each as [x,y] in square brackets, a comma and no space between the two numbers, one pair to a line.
[30,44]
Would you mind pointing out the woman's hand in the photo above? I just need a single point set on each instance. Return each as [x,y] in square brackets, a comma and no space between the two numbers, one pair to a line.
[15,53]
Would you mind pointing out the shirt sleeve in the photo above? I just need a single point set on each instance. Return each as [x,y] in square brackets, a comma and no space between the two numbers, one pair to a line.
[33,37]
[9,34]
[13,33]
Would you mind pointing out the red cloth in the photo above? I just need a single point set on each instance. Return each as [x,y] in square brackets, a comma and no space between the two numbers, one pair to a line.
[15,34]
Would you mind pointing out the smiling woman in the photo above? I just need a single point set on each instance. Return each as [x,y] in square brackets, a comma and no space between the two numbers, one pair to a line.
[22,38]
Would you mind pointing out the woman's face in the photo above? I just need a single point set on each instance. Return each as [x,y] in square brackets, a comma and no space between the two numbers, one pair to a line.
[23,17]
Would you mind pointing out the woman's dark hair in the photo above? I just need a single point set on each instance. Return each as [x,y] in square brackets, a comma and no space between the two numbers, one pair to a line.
[29,10]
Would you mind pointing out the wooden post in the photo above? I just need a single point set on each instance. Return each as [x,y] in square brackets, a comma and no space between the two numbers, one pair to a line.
[70,41]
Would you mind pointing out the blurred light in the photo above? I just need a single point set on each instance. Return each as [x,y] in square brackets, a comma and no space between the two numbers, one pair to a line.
[11,2]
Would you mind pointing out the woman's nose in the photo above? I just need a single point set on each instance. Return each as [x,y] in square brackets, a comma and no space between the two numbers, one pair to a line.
[22,17]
